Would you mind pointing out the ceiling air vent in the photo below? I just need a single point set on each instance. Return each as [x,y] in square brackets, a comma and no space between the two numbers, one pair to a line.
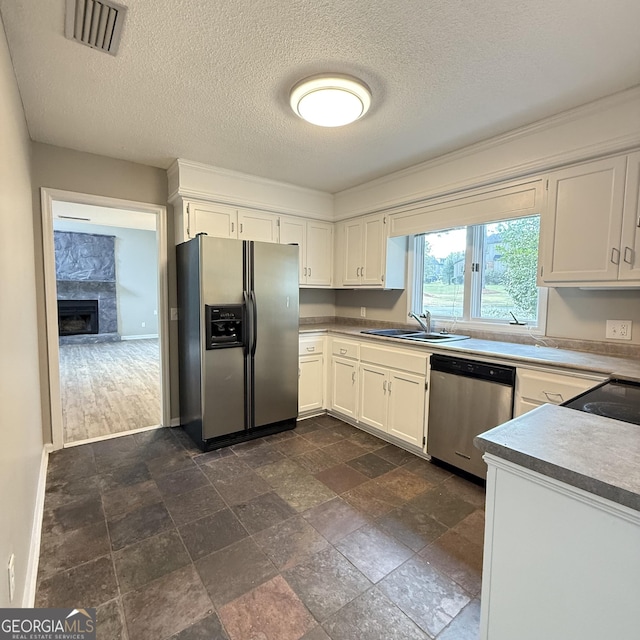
[96,23]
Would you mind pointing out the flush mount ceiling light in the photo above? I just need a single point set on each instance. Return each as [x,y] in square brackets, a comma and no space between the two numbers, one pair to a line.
[330,100]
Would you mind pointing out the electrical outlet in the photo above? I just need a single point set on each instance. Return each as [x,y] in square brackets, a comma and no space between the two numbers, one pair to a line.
[174,313]
[619,329]
[363,312]
[12,576]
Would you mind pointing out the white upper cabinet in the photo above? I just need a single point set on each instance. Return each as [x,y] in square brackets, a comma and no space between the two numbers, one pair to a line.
[257,225]
[315,240]
[203,217]
[366,257]
[588,207]
[630,245]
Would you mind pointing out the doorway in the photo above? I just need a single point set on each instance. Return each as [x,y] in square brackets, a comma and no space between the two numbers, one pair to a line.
[106,301]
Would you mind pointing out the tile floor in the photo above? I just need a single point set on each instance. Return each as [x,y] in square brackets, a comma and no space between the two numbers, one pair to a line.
[325,532]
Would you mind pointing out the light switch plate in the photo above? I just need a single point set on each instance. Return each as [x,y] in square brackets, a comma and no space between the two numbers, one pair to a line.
[619,329]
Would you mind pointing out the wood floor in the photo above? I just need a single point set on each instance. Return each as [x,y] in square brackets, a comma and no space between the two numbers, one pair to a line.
[109,387]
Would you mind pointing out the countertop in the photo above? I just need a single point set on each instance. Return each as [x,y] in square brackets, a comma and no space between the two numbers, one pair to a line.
[596,454]
[626,368]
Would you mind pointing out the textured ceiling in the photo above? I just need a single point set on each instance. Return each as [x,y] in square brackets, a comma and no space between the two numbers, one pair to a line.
[209,80]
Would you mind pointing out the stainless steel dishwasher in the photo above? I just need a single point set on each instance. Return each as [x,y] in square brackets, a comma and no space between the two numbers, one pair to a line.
[466,398]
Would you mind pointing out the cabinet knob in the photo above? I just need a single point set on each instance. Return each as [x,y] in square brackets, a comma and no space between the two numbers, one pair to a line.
[343,351]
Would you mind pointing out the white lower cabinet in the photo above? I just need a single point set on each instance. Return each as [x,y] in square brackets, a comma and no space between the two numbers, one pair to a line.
[390,399]
[373,396]
[535,387]
[344,386]
[310,396]
[406,413]
[311,374]
[559,563]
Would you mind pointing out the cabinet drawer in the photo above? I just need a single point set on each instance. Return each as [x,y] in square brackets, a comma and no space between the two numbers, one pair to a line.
[345,349]
[310,345]
[395,359]
[555,388]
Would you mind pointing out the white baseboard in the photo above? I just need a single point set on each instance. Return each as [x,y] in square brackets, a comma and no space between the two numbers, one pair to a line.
[143,337]
[31,580]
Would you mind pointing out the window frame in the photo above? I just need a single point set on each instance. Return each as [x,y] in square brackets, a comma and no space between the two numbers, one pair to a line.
[470,302]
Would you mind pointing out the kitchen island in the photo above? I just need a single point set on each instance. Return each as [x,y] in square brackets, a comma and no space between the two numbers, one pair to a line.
[562,537]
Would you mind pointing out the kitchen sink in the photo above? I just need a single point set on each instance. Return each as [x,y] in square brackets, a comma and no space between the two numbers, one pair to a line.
[420,336]
[393,333]
[433,337]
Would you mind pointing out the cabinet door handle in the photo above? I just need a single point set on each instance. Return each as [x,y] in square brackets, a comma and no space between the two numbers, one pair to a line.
[357,272]
[628,251]
[615,253]
[553,397]
[311,348]
[389,387]
[241,227]
[343,351]
[305,271]
[384,386]
[309,271]
[362,272]
[353,377]
[233,226]
[299,372]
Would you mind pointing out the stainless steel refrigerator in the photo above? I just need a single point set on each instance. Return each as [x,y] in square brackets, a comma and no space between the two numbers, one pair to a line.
[238,339]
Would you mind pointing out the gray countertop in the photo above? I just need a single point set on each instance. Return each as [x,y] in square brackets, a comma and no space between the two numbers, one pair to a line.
[596,454]
[626,368]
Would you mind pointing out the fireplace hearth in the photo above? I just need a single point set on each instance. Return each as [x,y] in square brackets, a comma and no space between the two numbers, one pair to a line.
[77,317]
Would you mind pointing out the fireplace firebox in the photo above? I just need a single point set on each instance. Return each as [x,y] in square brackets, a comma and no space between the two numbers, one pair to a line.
[76,317]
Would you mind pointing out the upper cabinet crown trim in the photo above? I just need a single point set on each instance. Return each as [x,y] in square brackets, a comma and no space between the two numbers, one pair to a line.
[192,180]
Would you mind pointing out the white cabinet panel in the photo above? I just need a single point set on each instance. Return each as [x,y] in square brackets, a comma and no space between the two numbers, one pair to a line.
[319,253]
[590,231]
[630,245]
[214,220]
[373,396]
[315,240]
[536,387]
[407,394]
[255,225]
[344,386]
[366,257]
[311,383]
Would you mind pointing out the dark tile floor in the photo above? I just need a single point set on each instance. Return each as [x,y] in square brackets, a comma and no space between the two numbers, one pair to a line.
[322,532]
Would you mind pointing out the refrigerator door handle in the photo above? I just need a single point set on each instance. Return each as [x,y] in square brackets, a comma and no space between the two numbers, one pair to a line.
[248,339]
[254,322]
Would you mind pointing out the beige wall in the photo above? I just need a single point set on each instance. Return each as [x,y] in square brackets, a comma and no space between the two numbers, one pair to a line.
[582,314]
[21,430]
[315,303]
[69,170]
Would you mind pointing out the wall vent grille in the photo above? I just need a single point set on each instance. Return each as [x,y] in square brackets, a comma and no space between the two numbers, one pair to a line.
[96,23]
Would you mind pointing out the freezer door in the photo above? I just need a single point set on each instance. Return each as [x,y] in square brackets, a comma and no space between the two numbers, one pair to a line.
[275,363]
[223,380]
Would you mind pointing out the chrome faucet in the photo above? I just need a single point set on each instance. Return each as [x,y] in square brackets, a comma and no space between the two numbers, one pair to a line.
[424,323]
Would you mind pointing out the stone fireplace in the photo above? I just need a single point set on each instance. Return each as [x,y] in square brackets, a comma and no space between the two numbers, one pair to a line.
[86,286]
